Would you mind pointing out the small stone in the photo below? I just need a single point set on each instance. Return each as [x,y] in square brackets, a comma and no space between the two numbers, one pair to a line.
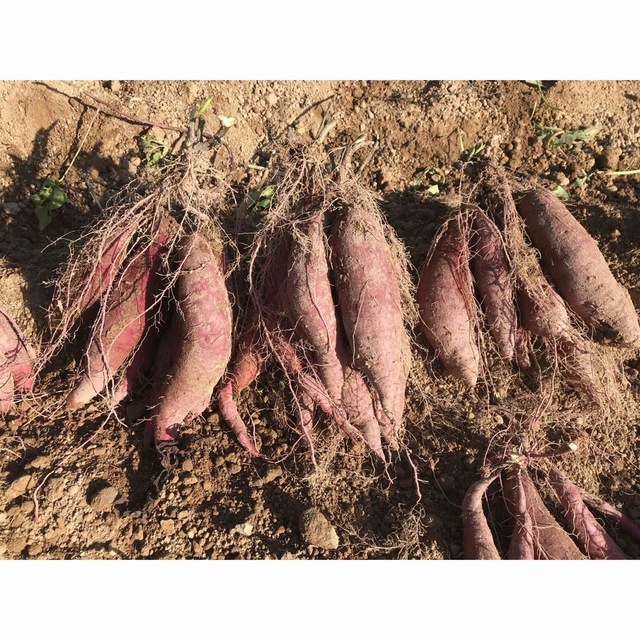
[183,515]
[99,451]
[189,480]
[207,485]
[197,548]
[317,531]
[498,419]
[35,550]
[562,179]
[11,208]
[17,546]
[168,526]
[234,468]
[19,487]
[41,462]
[115,86]
[214,418]
[187,465]
[272,99]
[104,499]
[27,507]
[244,529]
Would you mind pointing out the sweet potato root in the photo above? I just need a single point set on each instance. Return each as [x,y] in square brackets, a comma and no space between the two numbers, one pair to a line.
[202,335]
[311,306]
[242,372]
[115,336]
[477,539]
[445,300]
[551,541]
[495,285]
[521,545]
[578,268]
[371,305]
[19,355]
[594,539]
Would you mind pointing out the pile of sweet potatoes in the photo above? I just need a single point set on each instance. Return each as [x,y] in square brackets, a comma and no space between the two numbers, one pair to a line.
[150,285]
[517,271]
[328,304]
[535,534]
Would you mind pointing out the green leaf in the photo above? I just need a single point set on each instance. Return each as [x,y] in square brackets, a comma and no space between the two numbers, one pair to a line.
[48,199]
[433,190]
[535,83]
[203,108]
[264,199]
[560,193]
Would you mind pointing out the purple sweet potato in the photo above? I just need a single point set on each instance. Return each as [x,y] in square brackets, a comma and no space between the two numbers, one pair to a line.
[578,268]
[204,323]
[545,314]
[6,385]
[19,356]
[371,305]
[624,522]
[358,404]
[118,333]
[495,285]
[551,541]
[521,545]
[477,539]
[101,277]
[243,370]
[311,305]
[446,305]
[594,539]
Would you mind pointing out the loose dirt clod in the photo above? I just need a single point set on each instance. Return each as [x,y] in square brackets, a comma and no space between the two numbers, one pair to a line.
[316,530]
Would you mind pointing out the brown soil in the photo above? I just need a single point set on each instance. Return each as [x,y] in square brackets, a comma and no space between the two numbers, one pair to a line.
[216,501]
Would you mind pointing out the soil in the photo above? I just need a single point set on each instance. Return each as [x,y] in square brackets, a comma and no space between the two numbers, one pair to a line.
[111,497]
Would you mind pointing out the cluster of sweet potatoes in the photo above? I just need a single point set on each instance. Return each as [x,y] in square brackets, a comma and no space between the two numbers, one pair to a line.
[327,305]
[484,275]
[535,534]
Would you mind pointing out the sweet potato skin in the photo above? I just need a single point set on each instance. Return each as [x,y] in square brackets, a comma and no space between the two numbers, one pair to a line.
[551,541]
[19,355]
[578,268]
[114,339]
[495,285]
[591,535]
[371,306]
[203,328]
[311,306]
[477,539]
[445,303]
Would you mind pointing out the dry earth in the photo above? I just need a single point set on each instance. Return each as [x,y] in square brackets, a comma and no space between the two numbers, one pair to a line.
[111,499]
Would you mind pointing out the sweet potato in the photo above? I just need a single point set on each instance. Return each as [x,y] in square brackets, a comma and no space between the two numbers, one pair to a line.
[19,356]
[594,539]
[446,305]
[6,385]
[477,539]
[578,268]
[117,334]
[551,541]
[358,404]
[521,545]
[204,323]
[495,285]
[543,312]
[243,371]
[101,277]
[624,522]
[311,306]
[141,362]
[371,305]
